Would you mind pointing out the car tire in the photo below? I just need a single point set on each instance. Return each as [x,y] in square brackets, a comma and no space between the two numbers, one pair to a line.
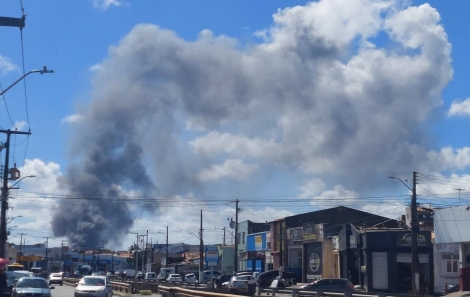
[61,284]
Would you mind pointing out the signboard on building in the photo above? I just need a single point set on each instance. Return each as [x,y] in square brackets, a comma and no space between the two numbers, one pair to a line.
[30,258]
[352,241]
[313,261]
[258,242]
[295,234]
[405,239]
[309,232]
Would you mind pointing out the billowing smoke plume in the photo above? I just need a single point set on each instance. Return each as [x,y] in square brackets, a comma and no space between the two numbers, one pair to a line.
[337,90]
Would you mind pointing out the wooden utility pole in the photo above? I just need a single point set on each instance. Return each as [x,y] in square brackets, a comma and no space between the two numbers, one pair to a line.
[5,188]
[235,255]
[414,241]
[201,253]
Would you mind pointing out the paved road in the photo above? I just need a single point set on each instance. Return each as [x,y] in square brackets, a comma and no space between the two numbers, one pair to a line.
[67,291]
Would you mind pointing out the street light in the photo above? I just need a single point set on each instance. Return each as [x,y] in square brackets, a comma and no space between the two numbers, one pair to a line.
[11,219]
[12,186]
[415,282]
[166,249]
[44,70]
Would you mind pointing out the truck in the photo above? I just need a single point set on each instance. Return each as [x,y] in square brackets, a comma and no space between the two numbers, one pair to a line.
[165,272]
[85,270]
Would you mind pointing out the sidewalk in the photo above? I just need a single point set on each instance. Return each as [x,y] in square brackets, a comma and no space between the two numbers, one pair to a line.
[459,294]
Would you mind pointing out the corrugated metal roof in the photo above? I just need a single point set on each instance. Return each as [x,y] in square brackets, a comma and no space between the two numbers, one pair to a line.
[452,225]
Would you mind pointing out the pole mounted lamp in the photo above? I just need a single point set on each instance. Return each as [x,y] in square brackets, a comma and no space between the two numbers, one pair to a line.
[7,172]
[42,71]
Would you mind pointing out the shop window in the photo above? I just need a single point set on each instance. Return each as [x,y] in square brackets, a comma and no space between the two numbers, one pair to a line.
[450,264]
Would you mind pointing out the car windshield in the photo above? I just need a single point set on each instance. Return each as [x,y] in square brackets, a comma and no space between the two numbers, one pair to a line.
[31,283]
[92,281]
[57,275]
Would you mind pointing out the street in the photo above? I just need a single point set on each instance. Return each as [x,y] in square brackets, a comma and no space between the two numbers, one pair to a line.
[66,291]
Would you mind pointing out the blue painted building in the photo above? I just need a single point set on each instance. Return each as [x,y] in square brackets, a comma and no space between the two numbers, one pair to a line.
[255,254]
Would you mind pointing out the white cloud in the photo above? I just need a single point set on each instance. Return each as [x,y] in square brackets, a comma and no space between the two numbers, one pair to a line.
[96,67]
[232,169]
[72,119]
[460,108]
[338,193]
[6,66]
[20,125]
[312,188]
[105,4]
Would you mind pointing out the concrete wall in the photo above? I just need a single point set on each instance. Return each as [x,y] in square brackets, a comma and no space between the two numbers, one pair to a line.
[441,276]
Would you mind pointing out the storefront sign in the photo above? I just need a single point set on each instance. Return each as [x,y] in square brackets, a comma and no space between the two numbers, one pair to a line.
[309,232]
[296,234]
[258,242]
[313,260]
[352,241]
[405,240]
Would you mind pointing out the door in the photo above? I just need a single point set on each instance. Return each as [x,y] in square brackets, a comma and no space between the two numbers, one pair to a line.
[379,271]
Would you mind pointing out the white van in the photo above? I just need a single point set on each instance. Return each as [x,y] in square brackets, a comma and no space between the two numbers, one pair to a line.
[150,275]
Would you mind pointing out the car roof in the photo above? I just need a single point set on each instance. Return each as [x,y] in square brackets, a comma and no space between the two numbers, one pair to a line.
[95,276]
[33,277]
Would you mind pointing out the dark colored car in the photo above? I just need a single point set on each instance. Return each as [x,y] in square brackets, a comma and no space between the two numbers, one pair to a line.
[12,279]
[330,284]
[222,279]
[266,278]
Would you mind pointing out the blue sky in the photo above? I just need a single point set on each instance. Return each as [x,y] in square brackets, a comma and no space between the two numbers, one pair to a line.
[163,108]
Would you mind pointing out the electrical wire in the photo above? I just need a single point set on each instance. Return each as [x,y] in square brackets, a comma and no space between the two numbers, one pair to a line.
[6,105]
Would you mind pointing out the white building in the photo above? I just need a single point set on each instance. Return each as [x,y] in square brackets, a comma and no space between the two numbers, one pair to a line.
[451,247]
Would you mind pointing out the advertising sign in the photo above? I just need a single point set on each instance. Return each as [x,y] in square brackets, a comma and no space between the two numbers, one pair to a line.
[309,231]
[405,240]
[212,256]
[258,242]
[313,261]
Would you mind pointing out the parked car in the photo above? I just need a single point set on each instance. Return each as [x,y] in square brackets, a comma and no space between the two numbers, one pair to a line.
[330,284]
[55,278]
[172,278]
[98,286]
[265,279]
[31,286]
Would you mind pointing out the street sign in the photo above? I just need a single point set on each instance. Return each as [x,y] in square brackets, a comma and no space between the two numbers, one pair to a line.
[212,263]
[212,256]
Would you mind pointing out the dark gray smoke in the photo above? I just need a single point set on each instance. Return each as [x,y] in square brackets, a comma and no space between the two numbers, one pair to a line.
[314,98]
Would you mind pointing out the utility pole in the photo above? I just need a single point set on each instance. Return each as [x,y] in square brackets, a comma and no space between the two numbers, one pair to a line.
[235,255]
[6,171]
[414,241]
[21,242]
[47,245]
[224,237]
[459,189]
[84,247]
[201,253]
[166,250]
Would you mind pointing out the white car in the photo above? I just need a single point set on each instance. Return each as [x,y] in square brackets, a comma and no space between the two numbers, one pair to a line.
[239,282]
[97,286]
[190,278]
[55,278]
[172,278]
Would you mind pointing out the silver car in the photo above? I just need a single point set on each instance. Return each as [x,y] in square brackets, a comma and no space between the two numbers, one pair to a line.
[32,286]
[97,286]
